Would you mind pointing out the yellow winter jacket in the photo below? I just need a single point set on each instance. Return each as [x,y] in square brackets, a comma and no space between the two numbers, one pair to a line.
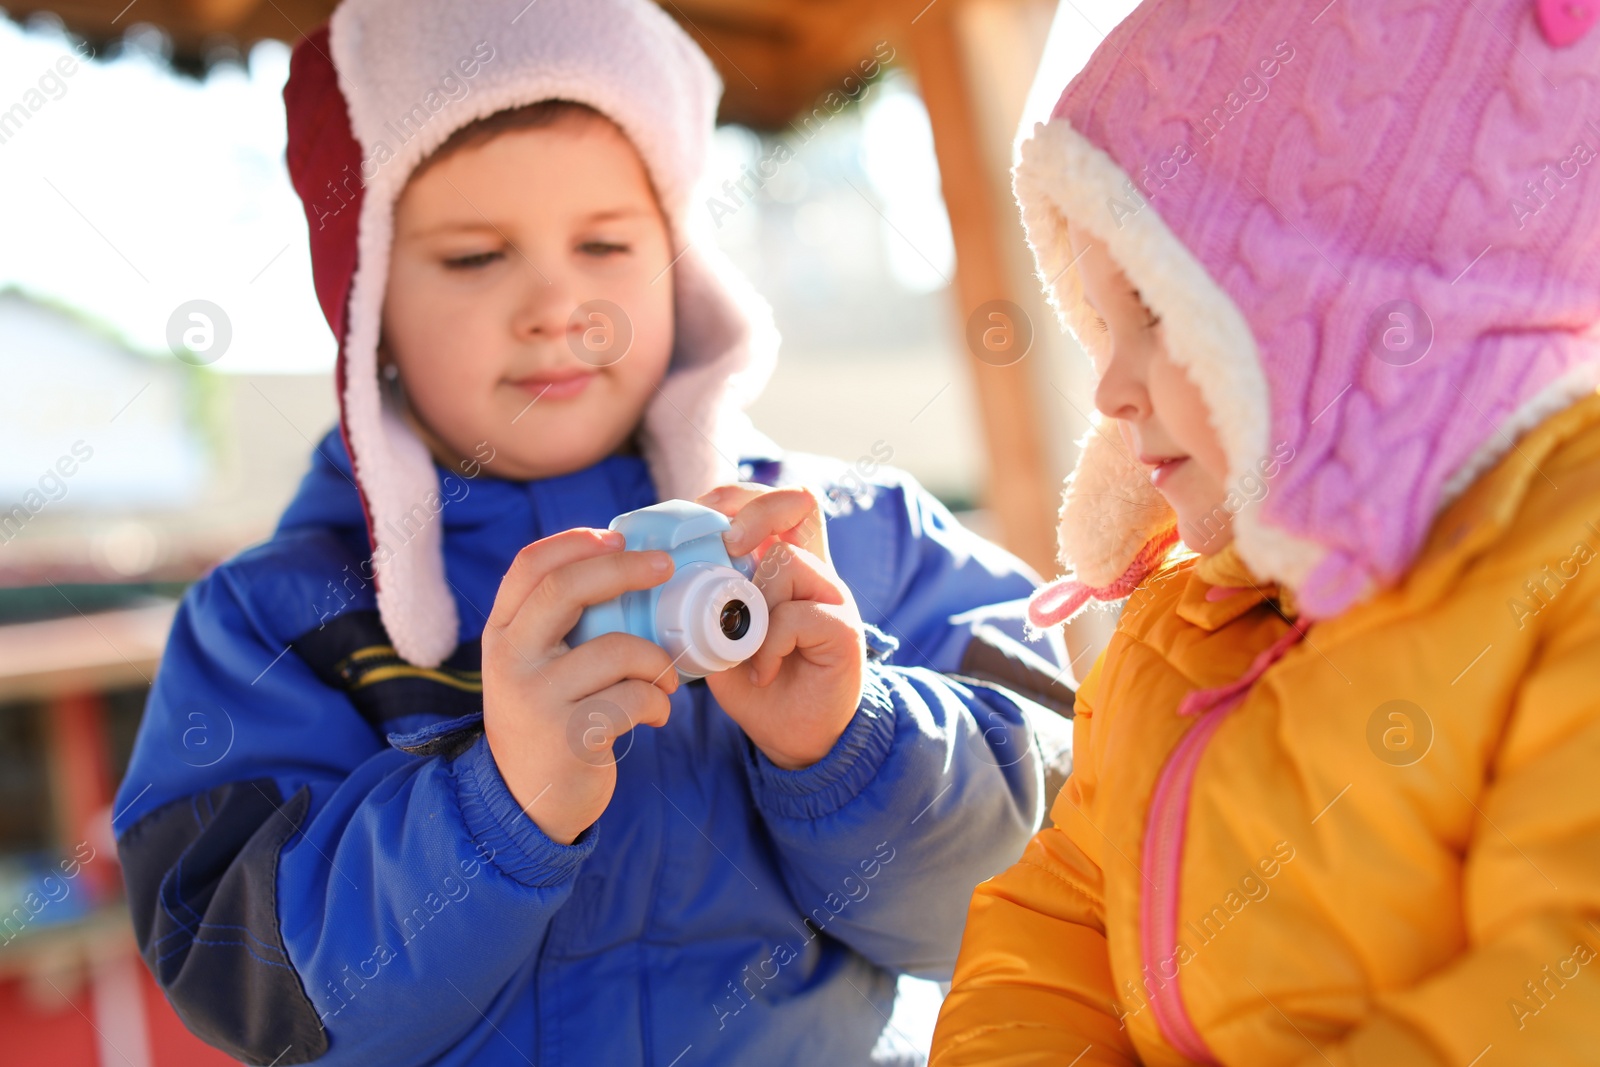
[1388,852]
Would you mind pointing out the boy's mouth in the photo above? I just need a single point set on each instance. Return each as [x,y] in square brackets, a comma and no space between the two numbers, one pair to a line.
[555,386]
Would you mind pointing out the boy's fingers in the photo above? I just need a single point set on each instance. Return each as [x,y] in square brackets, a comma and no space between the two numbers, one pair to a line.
[609,660]
[644,704]
[800,625]
[551,610]
[783,636]
[728,499]
[539,559]
[793,514]
[599,720]
[790,573]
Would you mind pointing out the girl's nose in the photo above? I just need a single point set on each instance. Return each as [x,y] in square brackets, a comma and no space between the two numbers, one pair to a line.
[1121,393]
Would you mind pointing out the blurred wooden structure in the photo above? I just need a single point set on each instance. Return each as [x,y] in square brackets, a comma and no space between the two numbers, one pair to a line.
[73,990]
[779,59]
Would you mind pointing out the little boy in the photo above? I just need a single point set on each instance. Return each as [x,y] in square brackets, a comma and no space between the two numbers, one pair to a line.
[379,810]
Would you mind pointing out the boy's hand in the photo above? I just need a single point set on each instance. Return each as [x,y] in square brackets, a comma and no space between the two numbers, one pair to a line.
[796,695]
[551,713]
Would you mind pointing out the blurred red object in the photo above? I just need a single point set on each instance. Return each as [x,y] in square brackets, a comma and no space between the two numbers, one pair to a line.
[108,1014]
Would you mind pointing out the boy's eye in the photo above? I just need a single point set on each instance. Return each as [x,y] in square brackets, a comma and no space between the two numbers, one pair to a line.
[603,248]
[1100,324]
[472,262]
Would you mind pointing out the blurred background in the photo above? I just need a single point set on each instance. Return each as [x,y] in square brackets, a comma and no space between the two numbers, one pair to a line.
[152,176]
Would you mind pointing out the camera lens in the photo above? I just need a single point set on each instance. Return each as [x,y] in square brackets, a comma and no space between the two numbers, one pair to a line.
[735,619]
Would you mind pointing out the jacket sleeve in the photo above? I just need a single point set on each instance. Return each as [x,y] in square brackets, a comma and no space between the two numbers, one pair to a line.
[1033,984]
[1527,982]
[301,890]
[950,600]
[936,783]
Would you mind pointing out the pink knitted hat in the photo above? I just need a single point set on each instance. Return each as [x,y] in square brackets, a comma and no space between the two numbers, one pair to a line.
[373,94]
[1372,233]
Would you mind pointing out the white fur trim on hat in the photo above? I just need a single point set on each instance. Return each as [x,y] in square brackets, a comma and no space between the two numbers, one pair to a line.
[1063,176]
[628,60]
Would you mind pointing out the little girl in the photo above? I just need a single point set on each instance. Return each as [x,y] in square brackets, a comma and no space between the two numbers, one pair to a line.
[1333,800]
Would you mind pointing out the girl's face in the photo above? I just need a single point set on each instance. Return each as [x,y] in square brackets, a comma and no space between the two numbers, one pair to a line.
[1158,409]
[529,303]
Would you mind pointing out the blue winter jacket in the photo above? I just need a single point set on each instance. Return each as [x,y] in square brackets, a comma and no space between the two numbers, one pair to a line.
[324,864]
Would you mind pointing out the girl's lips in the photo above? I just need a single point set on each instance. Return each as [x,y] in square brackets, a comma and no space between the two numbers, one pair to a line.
[555,388]
[1163,470]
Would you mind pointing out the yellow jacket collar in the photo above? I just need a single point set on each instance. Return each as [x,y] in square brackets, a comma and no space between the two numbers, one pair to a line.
[1221,588]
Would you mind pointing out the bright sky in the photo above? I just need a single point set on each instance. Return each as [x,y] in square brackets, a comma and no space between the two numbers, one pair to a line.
[132,191]
[1077,30]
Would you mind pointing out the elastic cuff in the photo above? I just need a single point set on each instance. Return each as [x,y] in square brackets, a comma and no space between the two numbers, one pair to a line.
[835,780]
[518,847]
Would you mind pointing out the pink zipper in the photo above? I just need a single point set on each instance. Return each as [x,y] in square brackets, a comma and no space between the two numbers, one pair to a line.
[1165,832]
[1163,856]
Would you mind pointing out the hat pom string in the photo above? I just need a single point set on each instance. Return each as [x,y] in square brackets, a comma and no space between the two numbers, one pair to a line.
[1063,598]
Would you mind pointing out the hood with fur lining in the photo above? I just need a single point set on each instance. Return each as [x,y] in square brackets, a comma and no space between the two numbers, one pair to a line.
[379,88]
[1372,235]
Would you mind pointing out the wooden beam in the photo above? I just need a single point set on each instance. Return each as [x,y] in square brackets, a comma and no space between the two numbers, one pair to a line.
[1019,489]
[217,16]
[79,653]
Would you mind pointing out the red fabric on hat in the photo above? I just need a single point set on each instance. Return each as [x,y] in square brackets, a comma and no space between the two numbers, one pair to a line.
[325,167]
[324,162]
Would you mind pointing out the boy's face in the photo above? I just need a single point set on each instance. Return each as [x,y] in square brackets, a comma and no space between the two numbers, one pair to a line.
[497,247]
[1159,410]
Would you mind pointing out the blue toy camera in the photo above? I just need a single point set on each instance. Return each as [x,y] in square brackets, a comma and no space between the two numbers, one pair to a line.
[708,616]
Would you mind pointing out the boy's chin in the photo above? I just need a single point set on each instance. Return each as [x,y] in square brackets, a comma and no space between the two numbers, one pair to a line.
[552,454]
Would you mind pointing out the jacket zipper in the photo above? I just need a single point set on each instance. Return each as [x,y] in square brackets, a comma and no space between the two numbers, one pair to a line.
[1163,857]
[1164,838]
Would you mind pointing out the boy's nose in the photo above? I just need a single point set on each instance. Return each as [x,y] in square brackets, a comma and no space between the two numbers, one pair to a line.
[544,306]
